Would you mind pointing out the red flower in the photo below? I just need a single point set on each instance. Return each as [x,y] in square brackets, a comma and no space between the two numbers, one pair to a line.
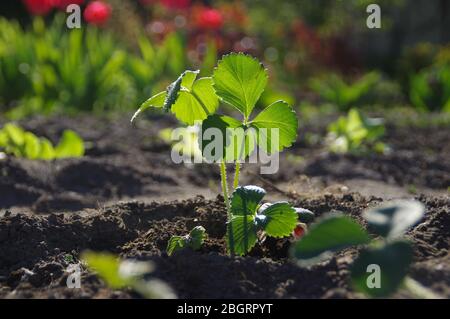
[97,12]
[176,4]
[38,7]
[62,4]
[209,18]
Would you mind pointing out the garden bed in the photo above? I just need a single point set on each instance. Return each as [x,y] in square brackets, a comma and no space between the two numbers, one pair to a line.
[127,196]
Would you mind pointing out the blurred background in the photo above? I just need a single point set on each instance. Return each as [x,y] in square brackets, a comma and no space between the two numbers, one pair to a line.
[318,52]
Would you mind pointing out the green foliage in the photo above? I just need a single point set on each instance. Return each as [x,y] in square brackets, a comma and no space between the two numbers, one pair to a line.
[194,240]
[332,233]
[238,80]
[393,255]
[249,217]
[429,89]
[48,68]
[14,140]
[334,89]
[122,274]
[356,134]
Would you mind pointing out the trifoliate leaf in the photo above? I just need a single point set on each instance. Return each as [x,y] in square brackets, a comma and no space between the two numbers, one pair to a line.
[279,219]
[244,234]
[394,218]
[333,233]
[245,200]
[276,127]
[378,272]
[70,145]
[223,137]
[239,80]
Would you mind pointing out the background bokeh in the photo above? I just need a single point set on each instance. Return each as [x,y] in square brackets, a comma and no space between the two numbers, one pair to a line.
[318,52]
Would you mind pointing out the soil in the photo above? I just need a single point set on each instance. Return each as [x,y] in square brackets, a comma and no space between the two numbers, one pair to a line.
[126,196]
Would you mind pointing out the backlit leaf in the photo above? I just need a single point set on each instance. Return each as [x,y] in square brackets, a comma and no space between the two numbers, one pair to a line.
[245,200]
[280,219]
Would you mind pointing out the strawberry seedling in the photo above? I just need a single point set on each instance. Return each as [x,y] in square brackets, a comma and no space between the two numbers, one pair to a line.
[193,240]
[14,140]
[356,134]
[391,253]
[238,80]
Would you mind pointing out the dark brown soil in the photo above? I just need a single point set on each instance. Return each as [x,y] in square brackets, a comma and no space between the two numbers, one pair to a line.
[52,211]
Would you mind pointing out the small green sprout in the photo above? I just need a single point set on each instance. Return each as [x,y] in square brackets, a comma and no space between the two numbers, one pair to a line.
[122,274]
[356,134]
[392,254]
[194,240]
[335,90]
[14,140]
[239,81]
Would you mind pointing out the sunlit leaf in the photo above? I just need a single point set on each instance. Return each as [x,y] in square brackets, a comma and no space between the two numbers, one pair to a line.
[276,127]
[279,219]
[70,145]
[156,100]
[239,80]
[245,200]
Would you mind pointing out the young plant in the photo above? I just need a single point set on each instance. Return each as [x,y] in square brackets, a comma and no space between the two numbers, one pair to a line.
[335,90]
[14,140]
[194,240]
[251,220]
[238,80]
[356,134]
[391,254]
[122,274]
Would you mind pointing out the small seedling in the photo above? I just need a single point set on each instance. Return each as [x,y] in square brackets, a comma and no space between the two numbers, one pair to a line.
[251,220]
[238,80]
[14,140]
[122,274]
[335,90]
[194,240]
[391,253]
[356,134]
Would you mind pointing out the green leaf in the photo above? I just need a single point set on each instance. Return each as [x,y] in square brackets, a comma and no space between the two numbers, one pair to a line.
[333,233]
[47,152]
[15,134]
[393,260]
[175,243]
[155,101]
[305,215]
[70,145]
[239,80]
[32,146]
[245,200]
[198,236]
[235,143]
[107,266]
[279,219]
[196,104]
[244,234]
[194,240]
[279,119]
[394,218]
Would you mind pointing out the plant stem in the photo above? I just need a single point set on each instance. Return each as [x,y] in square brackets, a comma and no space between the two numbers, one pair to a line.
[236,175]
[223,178]
[418,290]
